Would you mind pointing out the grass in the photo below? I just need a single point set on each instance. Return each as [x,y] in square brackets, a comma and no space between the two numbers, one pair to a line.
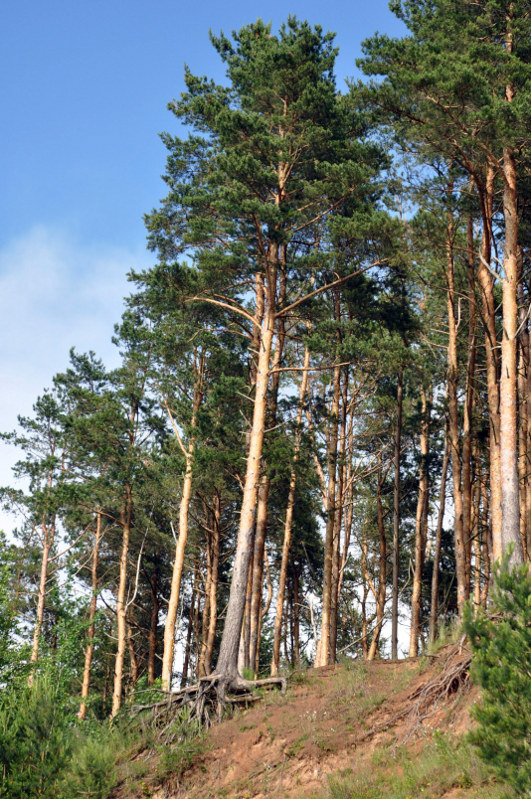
[445,763]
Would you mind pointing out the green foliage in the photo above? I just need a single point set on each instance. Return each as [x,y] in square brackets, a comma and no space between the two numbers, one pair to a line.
[92,768]
[441,765]
[501,643]
[35,738]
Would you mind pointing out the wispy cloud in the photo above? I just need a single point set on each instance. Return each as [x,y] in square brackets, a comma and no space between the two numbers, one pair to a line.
[54,294]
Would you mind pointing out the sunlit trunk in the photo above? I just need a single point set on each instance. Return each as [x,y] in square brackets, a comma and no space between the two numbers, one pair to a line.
[396,516]
[420,526]
[125,521]
[508,380]
[288,523]
[89,651]
[452,378]
[227,664]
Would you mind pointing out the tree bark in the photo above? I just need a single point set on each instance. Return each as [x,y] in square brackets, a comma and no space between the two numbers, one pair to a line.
[508,383]
[523,371]
[493,396]
[420,527]
[214,569]
[180,547]
[227,665]
[47,537]
[460,554]
[288,522]
[125,521]
[153,627]
[263,491]
[468,410]
[325,645]
[189,631]
[434,607]
[338,520]
[382,577]
[89,651]
[396,516]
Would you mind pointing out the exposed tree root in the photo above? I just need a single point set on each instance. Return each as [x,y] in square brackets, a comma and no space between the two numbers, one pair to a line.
[208,699]
[423,701]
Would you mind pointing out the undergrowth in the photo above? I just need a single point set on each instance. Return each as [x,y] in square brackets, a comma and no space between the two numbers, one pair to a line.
[47,752]
[446,762]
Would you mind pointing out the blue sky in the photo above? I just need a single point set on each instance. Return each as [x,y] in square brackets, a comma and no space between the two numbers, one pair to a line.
[84,88]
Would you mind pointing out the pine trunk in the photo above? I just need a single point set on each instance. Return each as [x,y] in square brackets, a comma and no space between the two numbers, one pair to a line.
[396,517]
[420,527]
[382,577]
[325,645]
[125,522]
[227,665]
[434,607]
[508,382]
[288,522]
[460,551]
[493,396]
[89,651]
[180,547]
[153,627]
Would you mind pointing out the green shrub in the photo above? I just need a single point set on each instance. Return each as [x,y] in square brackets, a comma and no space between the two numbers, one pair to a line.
[35,738]
[501,646]
[91,771]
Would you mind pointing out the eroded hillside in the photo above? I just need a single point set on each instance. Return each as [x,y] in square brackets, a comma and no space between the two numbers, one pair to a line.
[360,730]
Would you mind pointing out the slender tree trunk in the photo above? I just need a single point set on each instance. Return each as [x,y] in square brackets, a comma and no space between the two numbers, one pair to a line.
[266,606]
[189,632]
[125,522]
[468,410]
[153,627]
[288,523]
[382,577]
[197,615]
[338,521]
[213,584]
[477,545]
[366,589]
[325,647]
[296,618]
[256,577]
[508,380]
[133,660]
[244,661]
[489,321]
[201,672]
[89,651]
[396,517]
[487,544]
[47,538]
[523,368]
[434,607]
[263,491]
[228,655]
[528,448]
[180,547]
[420,527]
[173,603]
[460,553]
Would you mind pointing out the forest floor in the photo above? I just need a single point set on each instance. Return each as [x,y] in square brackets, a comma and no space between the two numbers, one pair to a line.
[352,731]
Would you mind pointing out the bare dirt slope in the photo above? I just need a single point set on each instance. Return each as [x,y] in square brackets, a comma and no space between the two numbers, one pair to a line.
[331,720]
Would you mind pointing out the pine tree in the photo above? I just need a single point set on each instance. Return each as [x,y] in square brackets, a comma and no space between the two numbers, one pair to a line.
[271,155]
[501,646]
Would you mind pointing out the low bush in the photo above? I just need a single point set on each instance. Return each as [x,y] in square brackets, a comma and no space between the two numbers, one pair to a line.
[501,664]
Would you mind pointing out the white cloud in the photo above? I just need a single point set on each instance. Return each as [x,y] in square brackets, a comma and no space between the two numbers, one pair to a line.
[54,294]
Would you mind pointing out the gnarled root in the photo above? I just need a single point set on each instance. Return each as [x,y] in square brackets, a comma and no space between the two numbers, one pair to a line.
[207,699]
